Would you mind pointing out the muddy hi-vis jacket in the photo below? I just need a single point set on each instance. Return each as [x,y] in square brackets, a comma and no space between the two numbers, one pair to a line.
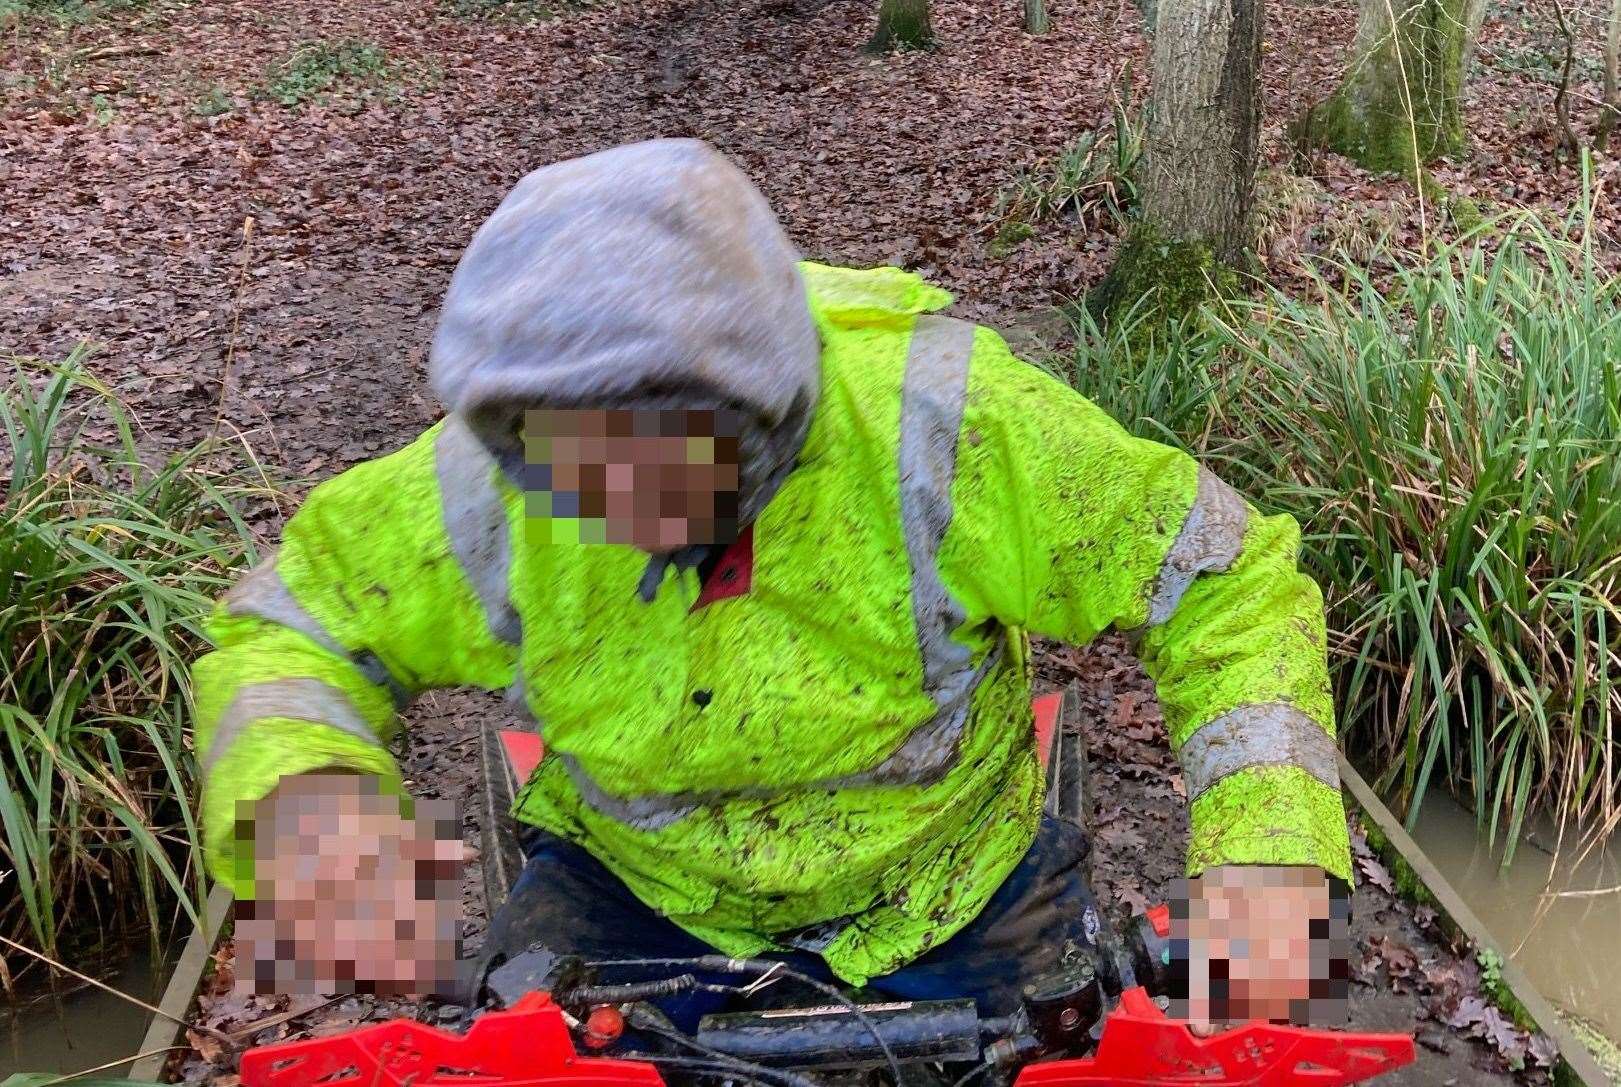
[851,738]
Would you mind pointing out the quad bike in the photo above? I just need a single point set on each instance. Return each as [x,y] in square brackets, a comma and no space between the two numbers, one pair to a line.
[1099,1020]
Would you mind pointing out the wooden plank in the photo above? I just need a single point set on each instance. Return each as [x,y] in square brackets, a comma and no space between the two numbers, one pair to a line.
[1579,1065]
[182,988]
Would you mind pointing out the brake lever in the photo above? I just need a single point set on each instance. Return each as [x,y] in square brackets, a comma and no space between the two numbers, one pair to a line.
[1142,1047]
[527,1045]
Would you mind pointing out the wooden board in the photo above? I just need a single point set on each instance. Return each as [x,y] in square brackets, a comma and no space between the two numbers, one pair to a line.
[181,991]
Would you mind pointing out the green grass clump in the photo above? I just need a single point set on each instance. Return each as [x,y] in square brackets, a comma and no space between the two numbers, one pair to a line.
[518,11]
[1449,437]
[1091,179]
[1498,991]
[62,12]
[316,68]
[109,560]
[213,102]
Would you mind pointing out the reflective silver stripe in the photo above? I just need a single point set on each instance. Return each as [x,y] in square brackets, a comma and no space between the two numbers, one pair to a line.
[517,696]
[476,522]
[652,812]
[301,699]
[933,391]
[1210,540]
[263,594]
[1269,734]
[929,753]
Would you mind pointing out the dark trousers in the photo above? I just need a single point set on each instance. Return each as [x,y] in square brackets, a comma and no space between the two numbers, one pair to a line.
[566,901]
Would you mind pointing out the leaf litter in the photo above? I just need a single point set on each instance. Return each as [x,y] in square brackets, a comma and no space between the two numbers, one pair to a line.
[281,267]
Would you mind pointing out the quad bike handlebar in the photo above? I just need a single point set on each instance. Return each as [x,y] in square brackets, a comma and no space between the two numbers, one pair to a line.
[1093,1023]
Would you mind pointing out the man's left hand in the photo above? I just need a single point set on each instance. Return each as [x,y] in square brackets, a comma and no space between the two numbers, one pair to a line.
[1261,943]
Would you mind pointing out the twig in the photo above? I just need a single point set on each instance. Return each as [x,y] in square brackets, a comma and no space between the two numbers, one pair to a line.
[111,52]
[219,1035]
[1412,125]
[236,323]
[1561,102]
[242,1034]
[1598,893]
[110,1064]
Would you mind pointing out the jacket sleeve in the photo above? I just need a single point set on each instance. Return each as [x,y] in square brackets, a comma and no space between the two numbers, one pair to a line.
[1065,525]
[390,580]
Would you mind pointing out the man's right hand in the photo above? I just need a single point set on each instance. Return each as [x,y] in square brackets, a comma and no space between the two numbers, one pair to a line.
[351,895]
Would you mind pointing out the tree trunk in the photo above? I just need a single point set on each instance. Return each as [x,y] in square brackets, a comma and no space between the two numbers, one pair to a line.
[1611,111]
[1149,10]
[1035,17]
[1565,134]
[1197,174]
[903,23]
[1474,17]
[1399,107]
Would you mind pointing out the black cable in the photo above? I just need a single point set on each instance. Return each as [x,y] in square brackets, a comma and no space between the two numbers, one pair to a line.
[855,1009]
[641,990]
[722,964]
[645,1023]
[770,1077]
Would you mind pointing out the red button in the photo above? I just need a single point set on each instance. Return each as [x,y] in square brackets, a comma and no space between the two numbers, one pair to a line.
[603,1026]
[1160,918]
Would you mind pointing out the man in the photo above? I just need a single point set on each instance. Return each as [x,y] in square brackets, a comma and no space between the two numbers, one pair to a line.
[760,544]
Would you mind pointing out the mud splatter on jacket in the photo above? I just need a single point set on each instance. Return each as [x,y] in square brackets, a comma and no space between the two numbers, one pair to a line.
[848,741]
[862,749]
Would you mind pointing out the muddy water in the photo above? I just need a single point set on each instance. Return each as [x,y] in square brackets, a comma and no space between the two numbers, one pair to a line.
[88,1028]
[1570,947]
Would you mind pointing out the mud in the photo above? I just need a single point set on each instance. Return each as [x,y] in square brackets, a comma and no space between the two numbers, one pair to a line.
[280,270]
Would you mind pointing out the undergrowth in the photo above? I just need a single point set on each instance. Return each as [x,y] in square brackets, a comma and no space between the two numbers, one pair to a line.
[62,12]
[316,68]
[110,559]
[518,10]
[1089,181]
[1449,437]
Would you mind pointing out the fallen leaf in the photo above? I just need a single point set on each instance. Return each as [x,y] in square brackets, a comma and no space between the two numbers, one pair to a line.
[207,1046]
[1377,874]
[1470,1010]
[1543,1050]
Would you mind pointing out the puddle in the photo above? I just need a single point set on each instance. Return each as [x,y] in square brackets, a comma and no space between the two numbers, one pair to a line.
[1572,949]
[84,1029]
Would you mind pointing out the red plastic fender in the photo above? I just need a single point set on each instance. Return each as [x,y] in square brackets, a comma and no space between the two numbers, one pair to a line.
[1141,1047]
[528,1044]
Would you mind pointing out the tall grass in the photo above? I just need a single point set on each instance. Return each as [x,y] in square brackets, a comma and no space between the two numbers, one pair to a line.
[1449,437]
[107,564]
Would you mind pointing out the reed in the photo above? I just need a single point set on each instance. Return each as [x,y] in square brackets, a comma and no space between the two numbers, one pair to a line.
[110,557]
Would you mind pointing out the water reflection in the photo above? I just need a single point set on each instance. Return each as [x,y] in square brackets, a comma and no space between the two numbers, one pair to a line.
[85,1029]
[1572,949]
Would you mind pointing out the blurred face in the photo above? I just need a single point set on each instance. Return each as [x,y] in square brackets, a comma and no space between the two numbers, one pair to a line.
[656,479]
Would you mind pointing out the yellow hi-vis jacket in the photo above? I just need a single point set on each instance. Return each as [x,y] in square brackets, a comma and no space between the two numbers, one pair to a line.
[850,739]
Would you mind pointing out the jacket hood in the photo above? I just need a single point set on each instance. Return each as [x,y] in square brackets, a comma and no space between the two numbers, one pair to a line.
[649,275]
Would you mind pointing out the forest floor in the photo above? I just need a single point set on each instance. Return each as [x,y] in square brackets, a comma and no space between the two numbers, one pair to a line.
[252,208]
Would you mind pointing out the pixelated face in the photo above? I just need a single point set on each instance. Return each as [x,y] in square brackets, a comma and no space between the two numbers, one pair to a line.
[351,895]
[1260,943]
[658,480]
